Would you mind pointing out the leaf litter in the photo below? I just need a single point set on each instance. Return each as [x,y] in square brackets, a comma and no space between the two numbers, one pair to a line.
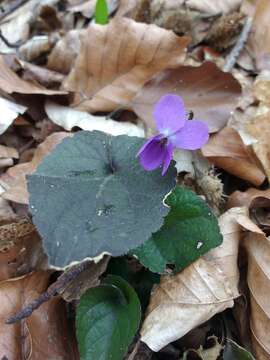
[60,72]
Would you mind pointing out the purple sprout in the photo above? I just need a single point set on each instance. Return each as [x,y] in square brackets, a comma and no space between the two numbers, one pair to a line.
[175,131]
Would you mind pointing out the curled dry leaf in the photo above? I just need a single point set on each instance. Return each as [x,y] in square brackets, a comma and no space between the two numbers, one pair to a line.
[206,287]
[258,203]
[259,40]
[227,151]
[14,180]
[36,46]
[9,112]
[65,51]
[258,248]
[117,59]
[10,83]
[260,129]
[45,334]
[20,248]
[214,7]
[69,118]
[209,92]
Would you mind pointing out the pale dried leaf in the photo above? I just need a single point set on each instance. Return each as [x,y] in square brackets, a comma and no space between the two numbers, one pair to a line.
[227,151]
[261,87]
[258,248]
[260,129]
[10,83]
[36,46]
[46,334]
[214,7]
[9,112]
[65,51]
[69,118]
[206,287]
[8,152]
[259,40]
[14,180]
[210,93]
[117,59]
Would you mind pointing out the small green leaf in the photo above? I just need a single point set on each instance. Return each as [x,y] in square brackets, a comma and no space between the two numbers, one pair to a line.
[101,12]
[236,352]
[189,231]
[91,195]
[107,319]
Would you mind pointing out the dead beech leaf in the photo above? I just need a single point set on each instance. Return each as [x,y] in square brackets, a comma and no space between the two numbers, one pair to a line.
[214,7]
[227,151]
[9,112]
[259,39]
[14,180]
[258,248]
[261,87]
[260,129]
[10,83]
[117,59]
[65,51]
[20,248]
[206,287]
[45,334]
[69,118]
[210,93]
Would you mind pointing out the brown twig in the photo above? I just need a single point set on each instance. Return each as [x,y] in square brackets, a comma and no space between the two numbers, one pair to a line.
[233,56]
[53,290]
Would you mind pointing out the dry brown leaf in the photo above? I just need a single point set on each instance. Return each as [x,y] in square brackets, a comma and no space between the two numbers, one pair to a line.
[259,40]
[65,51]
[261,87]
[46,334]
[258,248]
[36,46]
[69,118]
[10,83]
[14,180]
[214,7]
[227,151]
[20,248]
[206,287]
[116,60]
[210,93]
[260,129]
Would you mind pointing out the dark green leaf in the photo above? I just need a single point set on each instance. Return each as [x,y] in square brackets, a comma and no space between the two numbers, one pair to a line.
[101,12]
[91,195]
[107,319]
[189,231]
[234,351]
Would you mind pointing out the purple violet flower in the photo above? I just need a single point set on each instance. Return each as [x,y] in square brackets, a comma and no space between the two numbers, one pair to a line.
[175,131]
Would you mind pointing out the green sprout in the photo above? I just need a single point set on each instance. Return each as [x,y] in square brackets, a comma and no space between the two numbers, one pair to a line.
[101,12]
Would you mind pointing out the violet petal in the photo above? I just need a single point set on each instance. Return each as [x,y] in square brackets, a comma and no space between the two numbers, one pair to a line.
[152,154]
[192,136]
[169,114]
[168,157]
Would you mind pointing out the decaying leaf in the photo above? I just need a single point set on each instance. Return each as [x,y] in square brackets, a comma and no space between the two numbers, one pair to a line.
[46,334]
[14,180]
[210,93]
[69,118]
[9,112]
[10,83]
[214,7]
[20,248]
[206,287]
[258,248]
[227,151]
[117,59]
[260,129]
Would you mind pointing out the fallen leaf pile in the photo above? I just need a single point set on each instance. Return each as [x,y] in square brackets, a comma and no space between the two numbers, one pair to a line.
[60,73]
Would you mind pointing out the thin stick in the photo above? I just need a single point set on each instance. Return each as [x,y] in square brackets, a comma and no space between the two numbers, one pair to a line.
[233,56]
[53,290]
